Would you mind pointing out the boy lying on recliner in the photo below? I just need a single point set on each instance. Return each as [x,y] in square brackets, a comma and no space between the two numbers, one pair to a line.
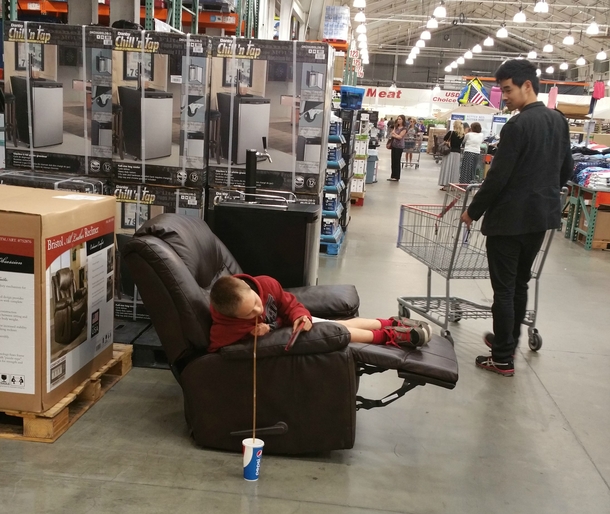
[243,306]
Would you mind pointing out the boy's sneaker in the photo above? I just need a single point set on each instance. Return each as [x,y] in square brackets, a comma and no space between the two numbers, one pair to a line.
[506,369]
[488,339]
[398,321]
[414,337]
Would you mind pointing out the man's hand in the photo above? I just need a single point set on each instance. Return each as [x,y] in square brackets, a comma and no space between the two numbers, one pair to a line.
[306,327]
[261,329]
[466,219]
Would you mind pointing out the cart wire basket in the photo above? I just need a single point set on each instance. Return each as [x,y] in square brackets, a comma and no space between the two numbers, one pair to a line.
[415,151]
[435,236]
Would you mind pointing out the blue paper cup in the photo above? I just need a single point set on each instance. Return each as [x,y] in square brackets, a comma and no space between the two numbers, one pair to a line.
[253,451]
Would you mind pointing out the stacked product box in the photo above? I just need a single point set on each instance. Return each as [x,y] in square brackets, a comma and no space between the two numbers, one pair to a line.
[56,293]
[59,181]
[360,159]
[336,22]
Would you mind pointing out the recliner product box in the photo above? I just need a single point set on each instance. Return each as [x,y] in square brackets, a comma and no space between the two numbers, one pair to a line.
[56,293]
[58,80]
[159,92]
[136,204]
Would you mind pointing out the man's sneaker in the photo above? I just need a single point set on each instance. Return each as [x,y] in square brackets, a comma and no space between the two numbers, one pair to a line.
[506,369]
[488,339]
[414,337]
[398,321]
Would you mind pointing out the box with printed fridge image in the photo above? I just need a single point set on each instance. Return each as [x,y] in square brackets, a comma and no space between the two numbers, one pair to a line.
[136,204]
[57,83]
[273,97]
[159,95]
[56,293]
[60,181]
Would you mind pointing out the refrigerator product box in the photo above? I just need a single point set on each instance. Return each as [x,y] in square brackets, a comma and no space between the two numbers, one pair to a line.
[311,183]
[135,205]
[159,92]
[56,293]
[58,81]
[59,181]
[273,97]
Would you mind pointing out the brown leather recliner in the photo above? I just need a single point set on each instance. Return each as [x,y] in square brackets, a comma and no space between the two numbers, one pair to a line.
[306,398]
[70,313]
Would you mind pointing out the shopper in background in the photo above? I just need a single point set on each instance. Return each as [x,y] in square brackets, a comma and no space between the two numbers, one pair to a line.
[381,128]
[389,127]
[450,167]
[410,140]
[520,198]
[420,125]
[472,154]
[466,128]
[398,134]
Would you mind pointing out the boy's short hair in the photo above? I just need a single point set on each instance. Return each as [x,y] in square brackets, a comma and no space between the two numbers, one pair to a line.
[227,293]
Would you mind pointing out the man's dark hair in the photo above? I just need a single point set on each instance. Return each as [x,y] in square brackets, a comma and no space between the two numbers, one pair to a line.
[476,127]
[519,70]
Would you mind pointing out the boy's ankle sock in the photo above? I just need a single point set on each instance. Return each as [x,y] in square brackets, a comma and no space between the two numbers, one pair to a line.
[380,336]
[385,322]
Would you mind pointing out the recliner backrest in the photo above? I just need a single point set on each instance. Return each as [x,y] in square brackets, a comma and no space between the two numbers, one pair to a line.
[174,260]
[64,284]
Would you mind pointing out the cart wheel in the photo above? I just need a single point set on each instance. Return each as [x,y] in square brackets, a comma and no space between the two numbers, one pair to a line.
[447,335]
[535,340]
[456,313]
[417,166]
[404,312]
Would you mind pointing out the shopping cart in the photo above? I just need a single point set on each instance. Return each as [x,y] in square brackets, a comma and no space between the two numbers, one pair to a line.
[436,149]
[435,235]
[415,151]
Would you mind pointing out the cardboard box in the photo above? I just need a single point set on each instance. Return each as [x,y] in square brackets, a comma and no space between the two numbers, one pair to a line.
[56,293]
[602,225]
[160,87]
[60,78]
[136,204]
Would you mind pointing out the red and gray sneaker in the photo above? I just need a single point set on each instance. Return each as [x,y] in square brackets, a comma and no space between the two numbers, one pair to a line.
[506,369]
[413,337]
[398,321]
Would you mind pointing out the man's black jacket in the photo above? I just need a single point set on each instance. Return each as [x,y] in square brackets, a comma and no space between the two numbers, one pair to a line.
[521,191]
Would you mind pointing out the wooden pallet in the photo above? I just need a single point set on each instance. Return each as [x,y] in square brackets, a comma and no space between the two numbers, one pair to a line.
[48,426]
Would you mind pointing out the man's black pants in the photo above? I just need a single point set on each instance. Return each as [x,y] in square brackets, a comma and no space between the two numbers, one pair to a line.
[510,261]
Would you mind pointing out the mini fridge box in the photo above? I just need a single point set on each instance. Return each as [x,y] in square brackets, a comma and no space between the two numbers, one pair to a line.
[159,92]
[63,182]
[58,80]
[310,182]
[56,293]
[136,204]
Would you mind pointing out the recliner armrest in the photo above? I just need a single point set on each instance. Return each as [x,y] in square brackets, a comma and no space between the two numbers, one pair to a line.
[79,294]
[329,301]
[322,338]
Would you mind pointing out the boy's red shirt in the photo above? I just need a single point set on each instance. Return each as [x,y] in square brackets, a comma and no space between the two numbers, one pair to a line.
[281,309]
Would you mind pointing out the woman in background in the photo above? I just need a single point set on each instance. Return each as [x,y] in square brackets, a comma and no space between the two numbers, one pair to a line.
[398,134]
[450,167]
[472,154]
[410,140]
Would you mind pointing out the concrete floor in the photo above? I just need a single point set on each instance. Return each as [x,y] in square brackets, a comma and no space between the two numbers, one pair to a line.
[534,443]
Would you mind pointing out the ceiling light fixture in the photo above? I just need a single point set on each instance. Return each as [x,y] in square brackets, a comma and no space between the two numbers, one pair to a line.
[520,16]
[432,23]
[420,43]
[362,45]
[448,68]
[362,37]
[581,60]
[410,60]
[365,61]
[454,65]
[548,48]
[538,72]
[440,11]
[426,35]
[393,86]
[359,4]
[569,39]
[436,89]
[541,6]
[360,17]
[563,66]
[415,50]
[461,60]
[601,56]
[502,32]
[477,49]
[488,41]
[550,70]
[593,29]
[361,29]
[468,54]
[532,54]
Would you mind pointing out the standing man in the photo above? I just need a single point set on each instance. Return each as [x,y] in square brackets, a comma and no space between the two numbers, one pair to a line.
[520,198]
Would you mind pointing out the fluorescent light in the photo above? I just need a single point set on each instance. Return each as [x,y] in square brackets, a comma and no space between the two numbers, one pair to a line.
[532,54]
[393,86]
[361,29]
[468,54]
[550,70]
[563,66]
[359,4]
[581,60]
[425,35]
[420,43]
[541,6]
[593,29]
[440,11]
[548,48]
[461,60]
[362,37]
[538,72]
[502,32]
[365,60]
[410,60]
[477,49]
[488,41]
[415,50]
[454,65]
[448,68]
[569,39]
[601,56]
[432,23]
[360,17]
[436,89]
[520,16]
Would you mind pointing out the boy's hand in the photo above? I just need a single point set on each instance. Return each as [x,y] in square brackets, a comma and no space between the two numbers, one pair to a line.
[261,329]
[306,327]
